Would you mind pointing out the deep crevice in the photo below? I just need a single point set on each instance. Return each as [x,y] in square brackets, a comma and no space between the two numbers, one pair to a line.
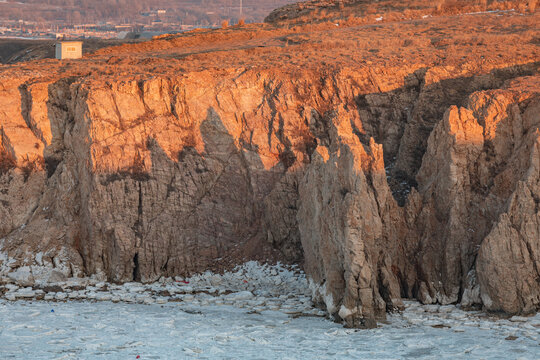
[136,268]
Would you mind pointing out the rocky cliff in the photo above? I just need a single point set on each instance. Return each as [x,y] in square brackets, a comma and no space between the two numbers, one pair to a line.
[408,174]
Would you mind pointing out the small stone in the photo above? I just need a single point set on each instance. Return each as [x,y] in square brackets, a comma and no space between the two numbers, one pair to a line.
[188,298]
[60,296]
[52,288]
[215,280]
[128,298]
[22,276]
[136,289]
[11,287]
[103,297]
[446,309]
[25,293]
[242,295]
[440,326]
[518,319]
[55,277]
[186,289]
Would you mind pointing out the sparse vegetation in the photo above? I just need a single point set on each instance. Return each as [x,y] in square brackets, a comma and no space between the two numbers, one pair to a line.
[6,163]
[189,139]
[483,4]
[389,10]
[27,169]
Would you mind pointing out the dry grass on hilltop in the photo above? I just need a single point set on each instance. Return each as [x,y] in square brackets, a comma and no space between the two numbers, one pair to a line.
[421,35]
[365,11]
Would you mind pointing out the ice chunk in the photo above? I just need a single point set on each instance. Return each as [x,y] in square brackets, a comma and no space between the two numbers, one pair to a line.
[242,295]
[22,276]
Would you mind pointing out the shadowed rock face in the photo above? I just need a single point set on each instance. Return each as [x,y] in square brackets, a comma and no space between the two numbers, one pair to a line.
[418,181]
[479,178]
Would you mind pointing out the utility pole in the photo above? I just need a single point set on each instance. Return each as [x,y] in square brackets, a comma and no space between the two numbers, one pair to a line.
[241,9]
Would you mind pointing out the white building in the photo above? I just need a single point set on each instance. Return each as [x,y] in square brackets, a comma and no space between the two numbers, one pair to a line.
[69,50]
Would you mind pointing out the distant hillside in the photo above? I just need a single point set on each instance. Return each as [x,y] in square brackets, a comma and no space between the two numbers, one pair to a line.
[192,12]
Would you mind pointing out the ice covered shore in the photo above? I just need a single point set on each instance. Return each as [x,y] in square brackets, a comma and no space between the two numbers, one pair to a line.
[254,286]
[256,312]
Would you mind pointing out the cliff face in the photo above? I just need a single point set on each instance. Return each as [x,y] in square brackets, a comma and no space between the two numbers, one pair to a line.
[479,178]
[384,181]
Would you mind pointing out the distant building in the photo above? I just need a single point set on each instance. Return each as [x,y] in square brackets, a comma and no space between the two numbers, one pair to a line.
[69,50]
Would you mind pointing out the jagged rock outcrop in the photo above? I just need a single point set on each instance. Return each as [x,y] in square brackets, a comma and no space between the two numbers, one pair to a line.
[344,204]
[479,223]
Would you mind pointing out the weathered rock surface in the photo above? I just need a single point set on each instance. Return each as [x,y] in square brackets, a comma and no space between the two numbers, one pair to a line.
[345,205]
[479,180]
[414,181]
